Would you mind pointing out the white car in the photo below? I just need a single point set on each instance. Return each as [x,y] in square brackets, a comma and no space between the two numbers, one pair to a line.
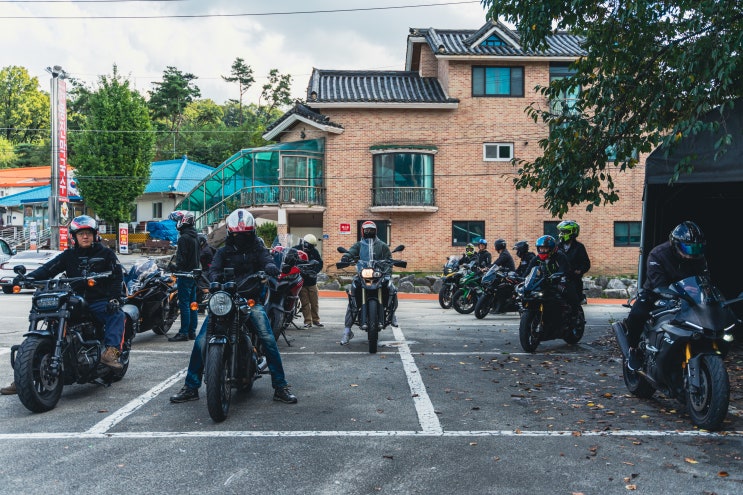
[30,259]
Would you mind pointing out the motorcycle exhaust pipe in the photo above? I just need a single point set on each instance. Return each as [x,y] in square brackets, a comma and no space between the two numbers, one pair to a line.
[621,335]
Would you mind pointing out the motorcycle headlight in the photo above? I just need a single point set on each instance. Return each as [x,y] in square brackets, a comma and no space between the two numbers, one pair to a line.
[367,273]
[220,304]
[47,303]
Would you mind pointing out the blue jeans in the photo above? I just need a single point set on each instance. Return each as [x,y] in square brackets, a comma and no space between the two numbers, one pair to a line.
[113,323]
[260,320]
[187,295]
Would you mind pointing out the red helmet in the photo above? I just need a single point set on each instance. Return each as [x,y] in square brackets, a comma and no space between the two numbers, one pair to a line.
[303,256]
[368,230]
[240,220]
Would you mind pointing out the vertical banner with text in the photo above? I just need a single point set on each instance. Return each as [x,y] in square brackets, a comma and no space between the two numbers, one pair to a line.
[124,238]
[64,210]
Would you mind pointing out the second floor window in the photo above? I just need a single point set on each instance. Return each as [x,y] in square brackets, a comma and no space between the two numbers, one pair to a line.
[497,152]
[403,178]
[497,81]
[157,210]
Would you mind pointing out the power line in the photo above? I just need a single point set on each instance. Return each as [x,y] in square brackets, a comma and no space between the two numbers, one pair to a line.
[249,14]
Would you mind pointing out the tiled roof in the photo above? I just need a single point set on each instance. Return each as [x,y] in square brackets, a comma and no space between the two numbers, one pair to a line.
[351,86]
[464,42]
[25,176]
[304,112]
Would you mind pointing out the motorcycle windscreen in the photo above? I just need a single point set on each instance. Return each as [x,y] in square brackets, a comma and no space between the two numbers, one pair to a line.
[139,273]
[534,279]
[701,304]
[490,275]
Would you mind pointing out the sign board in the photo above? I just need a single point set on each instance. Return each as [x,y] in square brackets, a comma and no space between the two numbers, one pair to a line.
[62,161]
[124,238]
[345,228]
[32,235]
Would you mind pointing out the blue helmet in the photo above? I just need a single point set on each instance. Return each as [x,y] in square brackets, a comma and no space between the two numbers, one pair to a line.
[546,247]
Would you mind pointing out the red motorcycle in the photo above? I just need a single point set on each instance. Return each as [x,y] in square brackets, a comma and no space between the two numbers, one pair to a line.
[282,301]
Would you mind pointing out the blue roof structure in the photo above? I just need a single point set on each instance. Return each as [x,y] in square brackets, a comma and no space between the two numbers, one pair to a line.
[34,195]
[180,175]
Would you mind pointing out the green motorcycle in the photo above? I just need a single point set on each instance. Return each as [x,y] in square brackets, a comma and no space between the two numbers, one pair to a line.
[469,291]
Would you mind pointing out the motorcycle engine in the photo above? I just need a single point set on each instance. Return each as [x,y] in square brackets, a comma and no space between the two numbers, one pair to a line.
[87,357]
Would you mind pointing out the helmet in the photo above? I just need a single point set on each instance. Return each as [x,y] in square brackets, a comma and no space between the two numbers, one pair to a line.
[81,223]
[521,248]
[181,218]
[278,249]
[202,240]
[568,230]
[484,242]
[240,220]
[546,247]
[470,249]
[369,230]
[500,244]
[688,240]
[310,239]
[303,258]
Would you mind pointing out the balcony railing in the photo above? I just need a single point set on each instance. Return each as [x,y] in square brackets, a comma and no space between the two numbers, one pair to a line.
[404,196]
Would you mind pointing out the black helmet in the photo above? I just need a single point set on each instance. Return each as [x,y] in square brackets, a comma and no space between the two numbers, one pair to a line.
[521,248]
[688,240]
[500,244]
[202,240]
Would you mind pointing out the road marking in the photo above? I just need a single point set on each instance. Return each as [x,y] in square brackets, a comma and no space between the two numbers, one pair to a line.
[427,417]
[113,419]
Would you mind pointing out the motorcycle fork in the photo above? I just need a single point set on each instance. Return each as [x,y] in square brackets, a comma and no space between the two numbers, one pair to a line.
[55,368]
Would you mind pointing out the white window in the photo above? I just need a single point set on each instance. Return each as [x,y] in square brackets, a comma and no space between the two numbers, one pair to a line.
[157,210]
[497,152]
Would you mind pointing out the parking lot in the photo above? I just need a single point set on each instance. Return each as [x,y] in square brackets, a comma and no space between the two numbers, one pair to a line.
[449,403]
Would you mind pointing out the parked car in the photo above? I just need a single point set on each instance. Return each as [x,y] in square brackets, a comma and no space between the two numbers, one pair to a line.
[30,259]
[5,251]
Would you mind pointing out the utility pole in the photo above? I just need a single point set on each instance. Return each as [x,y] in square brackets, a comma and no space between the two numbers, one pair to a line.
[58,201]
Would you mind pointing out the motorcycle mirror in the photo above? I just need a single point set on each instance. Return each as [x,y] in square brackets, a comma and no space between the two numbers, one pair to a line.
[19,269]
[341,249]
[399,248]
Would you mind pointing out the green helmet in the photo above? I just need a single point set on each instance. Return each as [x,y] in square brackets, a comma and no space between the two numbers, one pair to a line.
[568,230]
[470,249]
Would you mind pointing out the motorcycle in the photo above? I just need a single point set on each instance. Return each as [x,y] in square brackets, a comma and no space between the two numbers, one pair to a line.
[202,291]
[683,345]
[282,301]
[450,277]
[498,292]
[546,313]
[234,356]
[64,343]
[372,306]
[469,290]
[151,299]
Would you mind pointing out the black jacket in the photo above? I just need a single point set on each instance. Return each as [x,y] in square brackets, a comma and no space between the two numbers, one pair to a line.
[467,259]
[558,262]
[205,257]
[484,259]
[665,267]
[505,260]
[246,262]
[521,270]
[68,261]
[310,277]
[578,258]
[187,255]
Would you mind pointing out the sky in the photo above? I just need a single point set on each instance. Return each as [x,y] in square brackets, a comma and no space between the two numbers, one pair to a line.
[204,37]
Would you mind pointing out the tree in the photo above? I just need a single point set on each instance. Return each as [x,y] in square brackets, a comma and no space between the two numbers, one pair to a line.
[275,93]
[7,153]
[651,70]
[172,95]
[243,75]
[114,151]
[24,109]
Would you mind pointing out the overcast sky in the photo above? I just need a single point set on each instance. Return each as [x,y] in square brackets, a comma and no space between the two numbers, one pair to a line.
[144,37]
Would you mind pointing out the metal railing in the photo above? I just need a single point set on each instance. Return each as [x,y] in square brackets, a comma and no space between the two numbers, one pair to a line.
[403,196]
[19,237]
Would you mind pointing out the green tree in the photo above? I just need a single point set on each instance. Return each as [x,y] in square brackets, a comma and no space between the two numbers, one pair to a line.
[242,74]
[114,151]
[7,153]
[651,70]
[275,93]
[171,96]
[24,109]
[30,155]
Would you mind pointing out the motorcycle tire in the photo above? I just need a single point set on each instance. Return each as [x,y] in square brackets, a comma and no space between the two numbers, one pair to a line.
[372,308]
[218,380]
[484,305]
[575,332]
[124,360]
[528,326]
[446,295]
[170,314]
[636,383]
[276,317]
[464,302]
[37,389]
[708,406]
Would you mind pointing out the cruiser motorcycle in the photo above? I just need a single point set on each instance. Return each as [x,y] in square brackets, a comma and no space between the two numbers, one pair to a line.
[370,297]
[64,343]
[546,313]
[234,356]
[151,299]
[498,292]
[683,345]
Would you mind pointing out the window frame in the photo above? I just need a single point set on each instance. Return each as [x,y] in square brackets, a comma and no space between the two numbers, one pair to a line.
[511,94]
[628,224]
[157,207]
[471,232]
[498,147]
[549,227]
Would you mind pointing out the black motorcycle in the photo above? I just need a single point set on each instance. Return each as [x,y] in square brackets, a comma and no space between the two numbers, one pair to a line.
[450,277]
[498,292]
[64,343]
[234,356]
[151,299]
[546,313]
[372,305]
[683,346]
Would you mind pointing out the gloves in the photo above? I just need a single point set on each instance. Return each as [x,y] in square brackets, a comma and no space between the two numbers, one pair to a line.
[271,270]
[113,306]
[345,259]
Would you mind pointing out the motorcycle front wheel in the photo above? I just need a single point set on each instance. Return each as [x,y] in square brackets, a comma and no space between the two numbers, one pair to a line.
[37,388]
[372,319]
[484,305]
[170,314]
[446,294]
[708,405]
[576,328]
[464,301]
[528,327]
[218,382]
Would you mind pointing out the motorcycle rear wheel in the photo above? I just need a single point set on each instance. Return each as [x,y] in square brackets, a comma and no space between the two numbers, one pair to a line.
[372,312]
[484,305]
[709,405]
[446,294]
[636,383]
[528,326]
[464,302]
[218,382]
[37,389]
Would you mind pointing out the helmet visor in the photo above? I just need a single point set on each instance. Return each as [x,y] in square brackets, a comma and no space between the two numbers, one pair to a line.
[691,249]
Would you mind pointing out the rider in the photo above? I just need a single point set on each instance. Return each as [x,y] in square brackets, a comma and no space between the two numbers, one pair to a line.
[246,255]
[308,295]
[186,260]
[469,255]
[554,261]
[380,251]
[484,258]
[526,256]
[576,252]
[680,257]
[104,298]
[504,260]
[206,252]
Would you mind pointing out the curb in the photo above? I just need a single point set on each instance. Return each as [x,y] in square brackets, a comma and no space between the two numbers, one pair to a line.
[435,297]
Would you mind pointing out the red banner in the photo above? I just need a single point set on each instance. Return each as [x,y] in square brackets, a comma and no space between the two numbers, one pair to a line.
[62,157]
